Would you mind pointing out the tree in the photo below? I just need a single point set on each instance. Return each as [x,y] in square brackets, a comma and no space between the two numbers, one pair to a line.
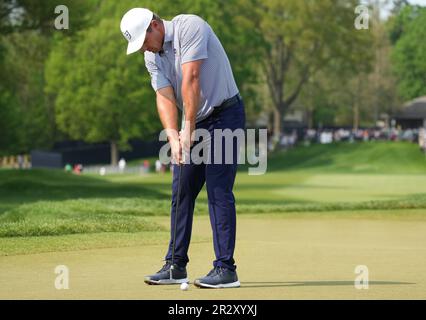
[371,90]
[302,38]
[100,93]
[381,91]
[24,70]
[409,54]
[23,15]
[9,124]
[398,5]
[26,28]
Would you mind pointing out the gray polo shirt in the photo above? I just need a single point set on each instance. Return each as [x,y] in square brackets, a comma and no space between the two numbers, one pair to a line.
[189,38]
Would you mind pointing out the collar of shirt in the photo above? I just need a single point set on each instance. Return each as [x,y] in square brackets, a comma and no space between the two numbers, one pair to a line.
[168,31]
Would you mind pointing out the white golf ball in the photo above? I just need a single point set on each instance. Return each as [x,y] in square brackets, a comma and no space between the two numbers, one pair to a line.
[184,286]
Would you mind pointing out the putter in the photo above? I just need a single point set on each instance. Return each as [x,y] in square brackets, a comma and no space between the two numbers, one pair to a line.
[177,207]
[175,224]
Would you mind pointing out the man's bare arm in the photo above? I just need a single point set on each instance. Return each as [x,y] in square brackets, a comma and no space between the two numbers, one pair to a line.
[191,98]
[167,110]
[191,90]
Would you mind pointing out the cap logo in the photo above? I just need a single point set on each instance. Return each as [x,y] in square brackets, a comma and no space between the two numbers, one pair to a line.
[127,35]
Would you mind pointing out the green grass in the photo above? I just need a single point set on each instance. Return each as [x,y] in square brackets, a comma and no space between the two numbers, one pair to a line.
[364,157]
[31,244]
[42,219]
[319,181]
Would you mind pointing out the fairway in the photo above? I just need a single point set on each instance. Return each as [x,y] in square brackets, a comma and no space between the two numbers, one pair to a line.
[300,234]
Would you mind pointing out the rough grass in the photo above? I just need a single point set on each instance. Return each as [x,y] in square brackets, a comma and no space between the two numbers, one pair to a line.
[71,242]
[34,203]
[72,224]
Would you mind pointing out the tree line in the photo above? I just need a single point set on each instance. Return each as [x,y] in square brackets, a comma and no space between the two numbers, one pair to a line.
[286,54]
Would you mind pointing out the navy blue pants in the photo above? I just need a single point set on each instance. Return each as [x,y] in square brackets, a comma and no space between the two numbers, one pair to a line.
[219,180]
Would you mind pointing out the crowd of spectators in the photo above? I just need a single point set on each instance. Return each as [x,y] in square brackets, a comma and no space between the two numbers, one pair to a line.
[324,136]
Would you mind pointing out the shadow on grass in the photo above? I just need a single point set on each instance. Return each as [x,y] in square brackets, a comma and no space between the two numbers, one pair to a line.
[262,284]
[242,198]
[20,187]
[264,186]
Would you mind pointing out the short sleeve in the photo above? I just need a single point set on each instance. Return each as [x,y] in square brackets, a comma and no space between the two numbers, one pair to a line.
[193,37]
[158,79]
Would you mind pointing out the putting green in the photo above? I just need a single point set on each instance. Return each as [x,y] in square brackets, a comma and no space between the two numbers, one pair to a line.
[278,258]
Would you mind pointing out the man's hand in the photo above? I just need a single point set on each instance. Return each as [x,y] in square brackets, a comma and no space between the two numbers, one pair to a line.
[186,138]
[167,110]
[176,150]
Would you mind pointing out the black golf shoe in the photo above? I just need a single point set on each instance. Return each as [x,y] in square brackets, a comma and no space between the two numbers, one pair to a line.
[219,277]
[178,275]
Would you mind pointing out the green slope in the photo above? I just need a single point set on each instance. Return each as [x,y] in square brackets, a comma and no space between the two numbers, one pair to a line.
[366,157]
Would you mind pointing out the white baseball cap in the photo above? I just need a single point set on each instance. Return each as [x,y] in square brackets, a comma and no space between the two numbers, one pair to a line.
[134,25]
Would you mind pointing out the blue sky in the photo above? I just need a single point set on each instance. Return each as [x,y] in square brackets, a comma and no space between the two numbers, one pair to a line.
[420,2]
[389,6]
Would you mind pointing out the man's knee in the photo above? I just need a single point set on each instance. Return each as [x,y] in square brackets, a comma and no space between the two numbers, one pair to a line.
[220,195]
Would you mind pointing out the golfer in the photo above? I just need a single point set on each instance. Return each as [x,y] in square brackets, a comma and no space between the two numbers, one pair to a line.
[190,70]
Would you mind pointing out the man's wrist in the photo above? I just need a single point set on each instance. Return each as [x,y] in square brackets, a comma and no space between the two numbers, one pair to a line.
[189,124]
[172,135]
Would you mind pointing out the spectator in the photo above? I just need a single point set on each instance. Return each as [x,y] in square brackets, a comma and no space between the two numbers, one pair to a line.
[365,135]
[146,165]
[122,165]
[422,139]
[68,168]
[20,161]
[158,166]
[77,169]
